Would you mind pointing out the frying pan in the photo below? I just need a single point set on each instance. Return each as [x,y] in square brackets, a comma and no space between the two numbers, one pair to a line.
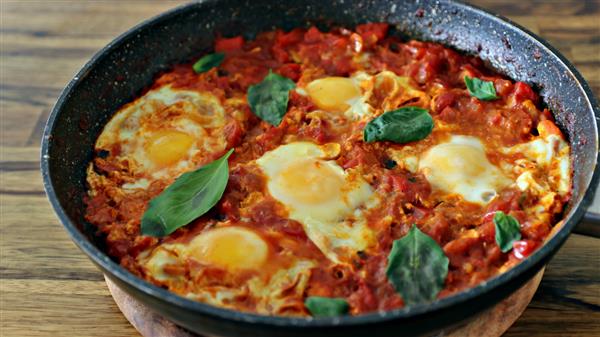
[121,71]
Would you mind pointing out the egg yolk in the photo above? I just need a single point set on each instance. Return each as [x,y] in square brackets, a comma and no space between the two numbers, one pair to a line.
[332,93]
[231,248]
[455,158]
[167,147]
[310,181]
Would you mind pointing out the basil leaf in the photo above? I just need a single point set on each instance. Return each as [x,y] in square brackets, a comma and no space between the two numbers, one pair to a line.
[417,267]
[508,231]
[207,62]
[483,90]
[403,125]
[326,306]
[269,98]
[190,196]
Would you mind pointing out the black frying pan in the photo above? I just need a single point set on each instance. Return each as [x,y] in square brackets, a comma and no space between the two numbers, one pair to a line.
[122,69]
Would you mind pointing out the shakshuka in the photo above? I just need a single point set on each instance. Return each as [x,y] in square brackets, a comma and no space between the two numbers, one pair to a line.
[312,173]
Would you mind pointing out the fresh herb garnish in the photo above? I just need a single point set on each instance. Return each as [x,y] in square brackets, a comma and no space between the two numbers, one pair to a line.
[326,306]
[483,90]
[403,125]
[417,267]
[207,62]
[269,98]
[508,231]
[190,196]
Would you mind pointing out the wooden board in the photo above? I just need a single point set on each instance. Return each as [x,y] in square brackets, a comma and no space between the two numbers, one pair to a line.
[49,288]
[492,323]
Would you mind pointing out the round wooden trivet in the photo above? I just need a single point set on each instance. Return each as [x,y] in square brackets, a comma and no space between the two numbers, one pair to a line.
[492,323]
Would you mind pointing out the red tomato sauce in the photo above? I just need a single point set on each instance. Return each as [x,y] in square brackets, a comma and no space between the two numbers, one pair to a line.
[303,55]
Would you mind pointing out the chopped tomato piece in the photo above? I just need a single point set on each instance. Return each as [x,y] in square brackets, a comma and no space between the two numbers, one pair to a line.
[312,35]
[372,32]
[524,92]
[503,87]
[443,100]
[231,44]
[233,133]
[280,54]
[523,248]
[489,216]
[287,39]
[291,71]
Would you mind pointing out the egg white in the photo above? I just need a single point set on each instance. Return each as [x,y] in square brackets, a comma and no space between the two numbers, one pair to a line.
[327,201]
[551,153]
[544,172]
[460,166]
[191,129]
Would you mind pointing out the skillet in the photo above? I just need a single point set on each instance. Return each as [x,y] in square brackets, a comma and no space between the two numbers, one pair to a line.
[121,71]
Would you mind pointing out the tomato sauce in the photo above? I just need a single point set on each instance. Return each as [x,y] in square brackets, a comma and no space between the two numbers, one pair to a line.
[464,230]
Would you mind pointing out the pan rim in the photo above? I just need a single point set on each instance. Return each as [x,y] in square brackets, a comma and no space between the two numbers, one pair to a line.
[116,271]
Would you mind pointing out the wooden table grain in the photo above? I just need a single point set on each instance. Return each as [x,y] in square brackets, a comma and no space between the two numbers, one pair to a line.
[49,288]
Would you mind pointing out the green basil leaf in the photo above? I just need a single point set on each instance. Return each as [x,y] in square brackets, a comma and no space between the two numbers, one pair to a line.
[483,90]
[326,306]
[191,195]
[417,267]
[508,231]
[207,62]
[269,98]
[403,125]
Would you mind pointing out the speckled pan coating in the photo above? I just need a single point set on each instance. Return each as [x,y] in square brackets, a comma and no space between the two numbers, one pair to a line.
[124,68]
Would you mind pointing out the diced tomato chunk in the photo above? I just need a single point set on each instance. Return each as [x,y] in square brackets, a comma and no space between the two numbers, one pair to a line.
[363,298]
[487,230]
[280,54]
[372,32]
[233,133]
[503,87]
[397,182]
[443,100]
[489,216]
[358,156]
[229,44]
[291,71]
[524,92]
[523,248]
[287,39]
[312,35]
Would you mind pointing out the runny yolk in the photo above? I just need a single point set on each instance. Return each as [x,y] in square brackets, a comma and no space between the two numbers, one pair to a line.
[167,147]
[230,248]
[332,93]
[311,181]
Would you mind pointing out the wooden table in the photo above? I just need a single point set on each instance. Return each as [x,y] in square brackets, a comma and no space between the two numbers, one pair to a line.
[49,288]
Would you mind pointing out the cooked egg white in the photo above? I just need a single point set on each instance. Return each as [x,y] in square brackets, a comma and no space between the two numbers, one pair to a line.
[319,194]
[460,166]
[391,91]
[165,133]
[353,95]
[550,152]
[545,170]
[280,294]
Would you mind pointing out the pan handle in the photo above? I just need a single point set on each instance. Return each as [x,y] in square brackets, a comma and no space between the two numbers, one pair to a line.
[589,225]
